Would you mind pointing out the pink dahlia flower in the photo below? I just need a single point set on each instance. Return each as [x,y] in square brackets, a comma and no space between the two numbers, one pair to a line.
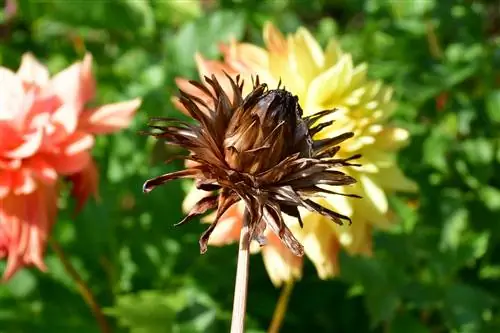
[46,132]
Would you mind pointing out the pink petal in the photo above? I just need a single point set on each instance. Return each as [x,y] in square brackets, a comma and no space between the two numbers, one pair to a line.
[5,183]
[25,222]
[32,142]
[72,155]
[87,79]
[22,182]
[69,164]
[32,72]
[11,95]
[65,120]
[9,137]
[109,118]
[9,164]
[85,184]
[78,142]
[75,85]
[43,170]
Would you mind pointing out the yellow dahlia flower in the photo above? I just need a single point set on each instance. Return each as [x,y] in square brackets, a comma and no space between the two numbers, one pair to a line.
[322,79]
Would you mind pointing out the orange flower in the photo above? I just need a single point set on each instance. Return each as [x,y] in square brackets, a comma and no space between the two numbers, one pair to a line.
[46,132]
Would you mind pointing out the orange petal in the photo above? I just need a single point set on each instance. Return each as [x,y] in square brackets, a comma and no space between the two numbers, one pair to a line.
[109,118]
[274,39]
[212,67]
[245,57]
[229,226]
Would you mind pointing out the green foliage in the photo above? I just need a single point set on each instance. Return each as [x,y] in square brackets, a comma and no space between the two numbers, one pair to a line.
[438,270]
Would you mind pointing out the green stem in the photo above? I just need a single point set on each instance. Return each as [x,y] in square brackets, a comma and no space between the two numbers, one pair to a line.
[280,310]
[82,287]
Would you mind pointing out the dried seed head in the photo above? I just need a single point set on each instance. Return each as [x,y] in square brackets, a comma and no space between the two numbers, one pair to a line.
[258,149]
[259,136]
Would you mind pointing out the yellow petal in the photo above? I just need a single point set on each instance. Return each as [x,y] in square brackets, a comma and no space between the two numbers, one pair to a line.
[359,75]
[393,179]
[329,85]
[320,244]
[357,237]
[374,193]
[392,138]
[280,263]
[333,52]
[306,53]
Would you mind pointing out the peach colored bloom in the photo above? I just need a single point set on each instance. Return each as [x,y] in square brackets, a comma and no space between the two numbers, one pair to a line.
[46,132]
[322,79]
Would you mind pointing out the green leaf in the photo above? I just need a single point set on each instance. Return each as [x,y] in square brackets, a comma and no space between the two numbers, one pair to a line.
[454,227]
[493,106]
[406,323]
[22,284]
[464,307]
[204,35]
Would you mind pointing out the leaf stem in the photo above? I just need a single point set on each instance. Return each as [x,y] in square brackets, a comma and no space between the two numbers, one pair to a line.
[281,307]
[82,287]
[241,284]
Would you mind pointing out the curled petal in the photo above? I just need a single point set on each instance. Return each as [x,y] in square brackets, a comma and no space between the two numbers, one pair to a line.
[275,222]
[150,185]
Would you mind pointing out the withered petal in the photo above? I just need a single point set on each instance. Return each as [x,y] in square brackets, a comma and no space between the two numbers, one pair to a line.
[150,184]
[318,128]
[199,208]
[206,235]
[320,146]
[336,217]
[312,119]
[292,211]
[285,235]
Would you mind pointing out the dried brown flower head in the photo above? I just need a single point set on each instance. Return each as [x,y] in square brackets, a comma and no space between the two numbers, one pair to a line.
[258,149]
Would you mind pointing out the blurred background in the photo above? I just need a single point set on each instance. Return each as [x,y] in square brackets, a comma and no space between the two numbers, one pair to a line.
[437,271]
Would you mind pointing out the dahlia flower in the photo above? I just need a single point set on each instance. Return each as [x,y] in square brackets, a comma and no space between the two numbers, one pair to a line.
[322,79]
[257,150]
[46,133]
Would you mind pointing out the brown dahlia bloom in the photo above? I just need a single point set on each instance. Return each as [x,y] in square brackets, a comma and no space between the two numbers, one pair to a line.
[258,149]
